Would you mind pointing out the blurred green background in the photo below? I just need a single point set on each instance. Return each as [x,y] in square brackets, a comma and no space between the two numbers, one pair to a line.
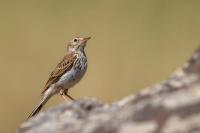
[135,43]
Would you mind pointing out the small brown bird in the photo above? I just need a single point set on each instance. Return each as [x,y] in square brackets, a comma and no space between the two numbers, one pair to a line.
[66,74]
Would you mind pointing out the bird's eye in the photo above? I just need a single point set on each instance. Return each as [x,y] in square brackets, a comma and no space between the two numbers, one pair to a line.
[75,40]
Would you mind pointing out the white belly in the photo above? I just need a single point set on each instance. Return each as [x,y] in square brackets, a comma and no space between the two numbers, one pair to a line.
[74,75]
[70,78]
[66,81]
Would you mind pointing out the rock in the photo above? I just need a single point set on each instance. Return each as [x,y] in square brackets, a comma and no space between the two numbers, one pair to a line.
[172,106]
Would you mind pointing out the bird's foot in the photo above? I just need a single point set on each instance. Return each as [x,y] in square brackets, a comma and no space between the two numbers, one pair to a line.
[65,95]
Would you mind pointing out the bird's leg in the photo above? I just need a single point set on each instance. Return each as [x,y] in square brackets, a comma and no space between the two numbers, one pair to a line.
[64,94]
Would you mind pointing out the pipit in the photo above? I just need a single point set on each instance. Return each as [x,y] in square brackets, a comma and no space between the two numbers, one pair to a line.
[66,74]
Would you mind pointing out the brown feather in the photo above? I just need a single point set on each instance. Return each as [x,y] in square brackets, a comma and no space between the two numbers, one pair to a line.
[65,65]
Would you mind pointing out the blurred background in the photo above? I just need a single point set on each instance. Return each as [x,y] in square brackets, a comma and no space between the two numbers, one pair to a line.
[135,43]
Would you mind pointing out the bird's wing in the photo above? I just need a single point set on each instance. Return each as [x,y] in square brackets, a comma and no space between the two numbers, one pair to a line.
[65,65]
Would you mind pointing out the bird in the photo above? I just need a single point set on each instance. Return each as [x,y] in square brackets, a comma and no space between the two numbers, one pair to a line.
[66,74]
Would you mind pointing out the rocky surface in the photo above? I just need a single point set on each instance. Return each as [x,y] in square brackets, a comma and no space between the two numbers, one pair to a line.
[172,106]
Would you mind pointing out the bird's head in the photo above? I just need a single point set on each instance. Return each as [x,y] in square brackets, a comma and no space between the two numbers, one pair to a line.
[77,44]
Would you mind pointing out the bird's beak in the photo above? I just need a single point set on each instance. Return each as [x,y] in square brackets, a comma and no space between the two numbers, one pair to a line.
[86,39]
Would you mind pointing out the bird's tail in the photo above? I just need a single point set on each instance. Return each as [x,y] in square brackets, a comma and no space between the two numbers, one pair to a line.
[37,109]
